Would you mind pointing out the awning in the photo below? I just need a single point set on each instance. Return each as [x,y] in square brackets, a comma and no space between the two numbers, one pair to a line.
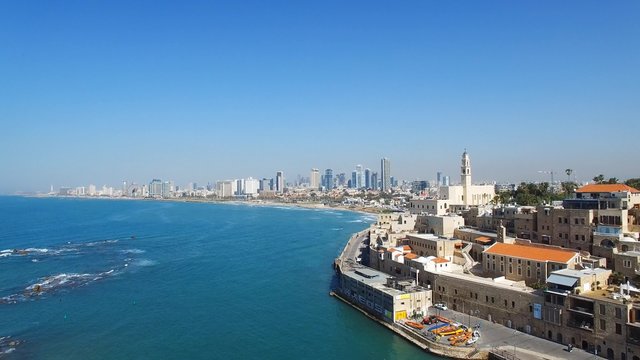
[561,280]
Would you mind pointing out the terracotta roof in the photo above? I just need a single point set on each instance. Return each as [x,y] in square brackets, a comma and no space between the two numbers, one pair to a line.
[603,188]
[483,239]
[440,260]
[411,256]
[537,253]
[406,248]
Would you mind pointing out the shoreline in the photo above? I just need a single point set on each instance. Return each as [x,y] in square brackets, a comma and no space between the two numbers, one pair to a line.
[265,203]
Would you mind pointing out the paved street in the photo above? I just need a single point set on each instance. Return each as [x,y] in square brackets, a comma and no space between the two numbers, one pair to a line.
[510,341]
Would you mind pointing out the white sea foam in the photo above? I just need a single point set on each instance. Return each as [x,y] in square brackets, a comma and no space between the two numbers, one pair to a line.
[133,251]
[144,262]
[36,250]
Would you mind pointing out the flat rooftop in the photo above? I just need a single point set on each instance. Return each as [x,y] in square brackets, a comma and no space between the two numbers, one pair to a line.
[377,280]
[580,273]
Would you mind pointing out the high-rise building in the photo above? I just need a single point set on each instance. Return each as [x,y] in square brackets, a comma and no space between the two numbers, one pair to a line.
[314,179]
[265,184]
[359,177]
[280,181]
[354,181]
[155,188]
[251,186]
[374,181]
[445,181]
[385,174]
[328,179]
[367,178]
[239,187]
[439,177]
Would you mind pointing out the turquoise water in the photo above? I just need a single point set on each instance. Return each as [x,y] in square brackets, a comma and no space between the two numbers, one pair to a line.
[167,280]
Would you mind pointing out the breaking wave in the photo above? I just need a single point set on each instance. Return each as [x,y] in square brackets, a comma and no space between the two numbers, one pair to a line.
[8,345]
[54,283]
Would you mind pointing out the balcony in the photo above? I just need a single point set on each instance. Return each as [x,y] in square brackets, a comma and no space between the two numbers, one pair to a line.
[583,325]
[581,310]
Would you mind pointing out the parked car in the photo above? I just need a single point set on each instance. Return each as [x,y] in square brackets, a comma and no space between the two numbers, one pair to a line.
[440,306]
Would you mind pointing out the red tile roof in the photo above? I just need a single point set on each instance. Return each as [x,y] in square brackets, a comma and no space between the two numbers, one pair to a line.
[536,253]
[483,239]
[411,256]
[440,260]
[605,188]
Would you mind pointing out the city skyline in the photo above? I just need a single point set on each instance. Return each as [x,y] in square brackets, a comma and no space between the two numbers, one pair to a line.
[98,93]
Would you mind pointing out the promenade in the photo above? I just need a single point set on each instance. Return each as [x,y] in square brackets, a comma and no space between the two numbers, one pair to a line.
[511,344]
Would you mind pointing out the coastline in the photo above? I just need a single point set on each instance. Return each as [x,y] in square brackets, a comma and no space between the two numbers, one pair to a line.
[266,203]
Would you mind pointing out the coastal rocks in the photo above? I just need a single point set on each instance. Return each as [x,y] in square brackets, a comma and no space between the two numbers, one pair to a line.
[8,345]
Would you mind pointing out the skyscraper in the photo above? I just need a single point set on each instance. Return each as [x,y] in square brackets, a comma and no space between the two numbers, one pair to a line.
[279,181]
[328,179]
[374,181]
[359,177]
[354,181]
[314,179]
[439,177]
[385,173]
[367,178]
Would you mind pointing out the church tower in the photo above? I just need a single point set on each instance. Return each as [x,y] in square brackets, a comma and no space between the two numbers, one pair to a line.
[465,178]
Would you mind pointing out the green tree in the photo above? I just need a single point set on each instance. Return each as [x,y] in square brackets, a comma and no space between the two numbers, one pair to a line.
[569,187]
[599,179]
[612,180]
[634,183]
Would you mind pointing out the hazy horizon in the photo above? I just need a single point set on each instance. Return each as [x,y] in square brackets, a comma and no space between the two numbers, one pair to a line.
[105,92]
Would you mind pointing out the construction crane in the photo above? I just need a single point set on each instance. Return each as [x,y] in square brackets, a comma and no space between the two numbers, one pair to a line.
[547,172]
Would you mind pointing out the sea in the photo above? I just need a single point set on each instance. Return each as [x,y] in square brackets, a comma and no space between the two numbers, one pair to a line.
[143,279]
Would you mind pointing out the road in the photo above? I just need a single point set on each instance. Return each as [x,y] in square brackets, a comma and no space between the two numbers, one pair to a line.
[510,341]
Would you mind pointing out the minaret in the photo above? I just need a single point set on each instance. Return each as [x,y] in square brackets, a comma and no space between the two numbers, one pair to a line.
[465,178]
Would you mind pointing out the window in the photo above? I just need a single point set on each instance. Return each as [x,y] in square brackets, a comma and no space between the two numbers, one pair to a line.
[577,237]
[602,310]
[626,263]
[618,329]
[618,313]
[582,221]
[575,221]
[493,300]
[513,304]
[603,324]
[559,220]
[486,298]
[505,303]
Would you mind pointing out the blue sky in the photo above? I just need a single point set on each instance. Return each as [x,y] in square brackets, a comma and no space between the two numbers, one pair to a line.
[98,92]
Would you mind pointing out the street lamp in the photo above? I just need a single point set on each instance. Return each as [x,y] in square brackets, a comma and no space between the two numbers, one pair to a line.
[472,312]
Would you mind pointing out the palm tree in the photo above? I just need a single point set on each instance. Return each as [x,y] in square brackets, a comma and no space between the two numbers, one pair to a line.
[569,172]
